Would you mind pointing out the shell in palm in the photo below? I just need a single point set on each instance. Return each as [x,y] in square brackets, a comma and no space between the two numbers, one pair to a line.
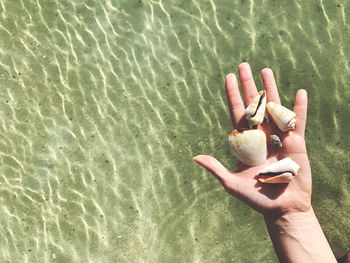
[283,117]
[275,140]
[282,171]
[255,112]
[249,146]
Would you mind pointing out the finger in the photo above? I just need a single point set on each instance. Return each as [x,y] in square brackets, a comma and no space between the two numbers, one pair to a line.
[233,183]
[234,99]
[270,86]
[247,82]
[300,109]
[213,166]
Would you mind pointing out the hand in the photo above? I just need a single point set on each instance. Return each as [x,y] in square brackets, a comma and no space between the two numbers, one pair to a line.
[269,199]
[289,217]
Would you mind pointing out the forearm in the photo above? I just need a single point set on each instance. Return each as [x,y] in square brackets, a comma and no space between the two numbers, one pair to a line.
[298,237]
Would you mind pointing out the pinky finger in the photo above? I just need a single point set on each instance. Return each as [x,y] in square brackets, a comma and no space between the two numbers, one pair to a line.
[300,109]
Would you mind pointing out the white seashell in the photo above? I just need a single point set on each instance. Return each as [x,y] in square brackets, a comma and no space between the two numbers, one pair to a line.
[283,118]
[282,171]
[249,146]
[255,112]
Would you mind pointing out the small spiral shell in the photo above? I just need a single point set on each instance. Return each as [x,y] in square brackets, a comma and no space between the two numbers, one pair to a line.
[283,117]
[255,112]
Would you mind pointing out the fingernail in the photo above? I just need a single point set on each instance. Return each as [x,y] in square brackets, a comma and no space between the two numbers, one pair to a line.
[267,71]
[303,93]
[231,77]
[244,66]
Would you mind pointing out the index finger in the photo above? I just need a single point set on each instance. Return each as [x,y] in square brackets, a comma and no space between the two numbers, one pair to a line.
[234,99]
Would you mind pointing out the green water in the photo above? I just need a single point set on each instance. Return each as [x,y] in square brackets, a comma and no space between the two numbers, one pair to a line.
[104,104]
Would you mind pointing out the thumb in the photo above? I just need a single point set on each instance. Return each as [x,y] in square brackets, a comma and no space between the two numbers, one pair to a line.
[231,181]
[214,167]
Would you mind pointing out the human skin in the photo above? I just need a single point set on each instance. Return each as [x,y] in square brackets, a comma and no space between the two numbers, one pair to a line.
[291,222]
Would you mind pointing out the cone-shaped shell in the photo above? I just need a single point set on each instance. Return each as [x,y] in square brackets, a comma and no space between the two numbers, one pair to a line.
[282,171]
[249,146]
[255,112]
[283,118]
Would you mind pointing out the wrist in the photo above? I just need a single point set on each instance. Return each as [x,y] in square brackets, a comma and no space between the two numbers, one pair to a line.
[298,237]
[291,218]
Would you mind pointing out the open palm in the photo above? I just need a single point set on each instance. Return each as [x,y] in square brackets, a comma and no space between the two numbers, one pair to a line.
[265,198]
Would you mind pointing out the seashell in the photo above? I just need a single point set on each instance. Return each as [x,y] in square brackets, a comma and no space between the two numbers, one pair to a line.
[283,118]
[275,140]
[249,146]
[255,112]
[282,171]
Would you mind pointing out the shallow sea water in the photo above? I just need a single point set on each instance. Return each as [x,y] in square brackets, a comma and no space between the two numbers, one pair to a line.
[103,104]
